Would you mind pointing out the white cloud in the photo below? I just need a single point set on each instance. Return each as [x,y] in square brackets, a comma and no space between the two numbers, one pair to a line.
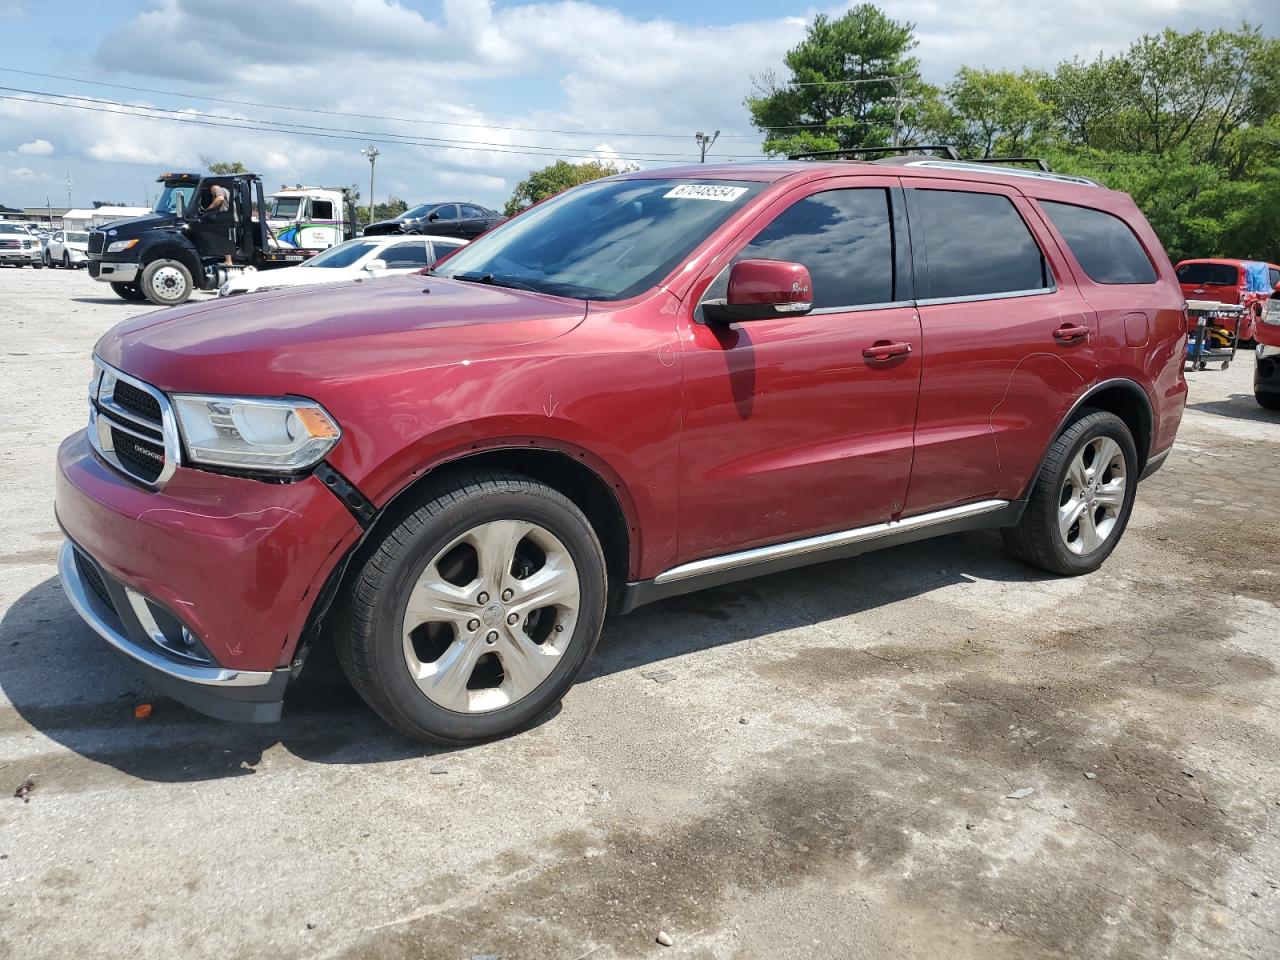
[479,75]
[38,147]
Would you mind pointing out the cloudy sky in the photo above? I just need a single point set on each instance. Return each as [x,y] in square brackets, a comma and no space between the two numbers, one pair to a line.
[486,90]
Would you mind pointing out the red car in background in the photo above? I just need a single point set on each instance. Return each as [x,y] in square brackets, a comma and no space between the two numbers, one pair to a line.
[1224,280]
[1266,375]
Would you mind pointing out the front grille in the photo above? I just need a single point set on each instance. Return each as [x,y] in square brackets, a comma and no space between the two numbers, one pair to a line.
[97,241]
[91,575]
[137,401]
[144,460]
[10,244]
[129,425]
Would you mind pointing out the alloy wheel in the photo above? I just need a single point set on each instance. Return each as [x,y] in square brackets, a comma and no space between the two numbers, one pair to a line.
[1092,495]
[491,616]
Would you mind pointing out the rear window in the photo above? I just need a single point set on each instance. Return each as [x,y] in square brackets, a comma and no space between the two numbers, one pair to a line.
[1209,274]
[976,244]
[1104,246]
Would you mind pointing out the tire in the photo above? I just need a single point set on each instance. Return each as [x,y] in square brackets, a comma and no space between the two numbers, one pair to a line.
[48,260]
[1065,480]
[468,538]
[129,291]
[37,265]
[1267,401]
[166,283]
[66,260]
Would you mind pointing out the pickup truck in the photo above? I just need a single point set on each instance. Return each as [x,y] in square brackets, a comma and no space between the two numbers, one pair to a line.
[180,247]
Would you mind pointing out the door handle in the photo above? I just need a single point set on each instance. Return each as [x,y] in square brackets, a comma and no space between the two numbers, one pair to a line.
[883,350]
[1070,332]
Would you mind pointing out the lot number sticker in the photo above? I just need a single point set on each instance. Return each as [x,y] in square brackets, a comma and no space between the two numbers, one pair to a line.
[705,191]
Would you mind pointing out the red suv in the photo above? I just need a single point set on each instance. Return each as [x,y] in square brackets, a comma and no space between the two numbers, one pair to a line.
[650,384]
[1226,281]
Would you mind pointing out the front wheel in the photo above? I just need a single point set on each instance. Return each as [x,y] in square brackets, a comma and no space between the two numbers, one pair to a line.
[166,283]
[476,612]
[128,291]
[48,260]
[1081,501]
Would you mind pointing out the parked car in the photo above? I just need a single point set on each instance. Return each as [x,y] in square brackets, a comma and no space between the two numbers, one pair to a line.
[18,247]
[1243,282]
[649,384]
[1266,372]
[354,259]
[67,248]
[466,220]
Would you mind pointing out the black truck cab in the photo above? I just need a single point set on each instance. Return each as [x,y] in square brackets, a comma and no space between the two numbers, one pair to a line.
[180,246]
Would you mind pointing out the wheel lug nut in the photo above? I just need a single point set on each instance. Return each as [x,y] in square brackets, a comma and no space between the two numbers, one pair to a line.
[559,628]
[483,598]
[507,595]
[473,625]
[492,637]
[513,619]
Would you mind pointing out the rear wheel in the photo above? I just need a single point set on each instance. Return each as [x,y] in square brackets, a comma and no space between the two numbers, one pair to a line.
[128,291]
[1267,401]
[166,283]
[1082,499]
[474,614]
[66,260]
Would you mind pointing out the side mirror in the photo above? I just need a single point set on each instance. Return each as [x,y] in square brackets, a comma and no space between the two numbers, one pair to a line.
[760,290]
[179,206]
[434,217]
[375,266]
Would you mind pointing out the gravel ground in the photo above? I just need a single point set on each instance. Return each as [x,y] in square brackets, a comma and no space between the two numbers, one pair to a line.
[827,773]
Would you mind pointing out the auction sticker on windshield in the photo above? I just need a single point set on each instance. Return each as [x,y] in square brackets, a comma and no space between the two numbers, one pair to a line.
[704,191]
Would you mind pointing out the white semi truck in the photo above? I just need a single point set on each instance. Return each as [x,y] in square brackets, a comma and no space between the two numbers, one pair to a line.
[313,218]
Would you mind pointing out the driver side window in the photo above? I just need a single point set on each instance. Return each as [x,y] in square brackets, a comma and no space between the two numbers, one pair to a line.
[843,237]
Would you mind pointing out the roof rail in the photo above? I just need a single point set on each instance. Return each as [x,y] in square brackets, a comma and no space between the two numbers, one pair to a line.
[1039,162]
[972,166]
[854,152]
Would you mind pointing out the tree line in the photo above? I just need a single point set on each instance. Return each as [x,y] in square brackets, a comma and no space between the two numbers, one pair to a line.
[1187,123]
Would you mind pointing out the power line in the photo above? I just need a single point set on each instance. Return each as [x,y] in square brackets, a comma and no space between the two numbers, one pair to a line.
[97,104]
[154,113]
[355,116]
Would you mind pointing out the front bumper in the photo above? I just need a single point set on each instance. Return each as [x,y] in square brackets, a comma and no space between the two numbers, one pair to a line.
[21,256]
[236,561]
[110,272]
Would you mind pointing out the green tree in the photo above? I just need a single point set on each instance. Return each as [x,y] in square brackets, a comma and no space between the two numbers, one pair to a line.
[222,167]
[843,78]
[996,112]
[553,179]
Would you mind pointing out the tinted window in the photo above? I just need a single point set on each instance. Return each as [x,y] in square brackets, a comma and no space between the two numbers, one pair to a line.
[843,237]
[405,255]
[322,209]
[1209,274]
[1105,247]
[471,213]
[1273,275]
[977,244]
[343,255]
[447,211]
[440,249]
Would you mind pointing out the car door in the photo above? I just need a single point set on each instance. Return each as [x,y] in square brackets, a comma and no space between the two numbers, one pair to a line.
[443,220]
[794,426]
[1010,342]
[55,246]
[405,257]
[472,221]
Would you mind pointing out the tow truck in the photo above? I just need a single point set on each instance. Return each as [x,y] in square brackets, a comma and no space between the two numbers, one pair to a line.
[311,217]
[179,248]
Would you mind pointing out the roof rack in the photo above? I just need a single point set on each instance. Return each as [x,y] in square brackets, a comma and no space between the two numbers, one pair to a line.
[990,164]
[1038,162]
[854,152]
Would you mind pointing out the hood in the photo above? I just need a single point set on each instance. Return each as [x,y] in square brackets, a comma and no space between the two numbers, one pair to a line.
[136,225]
[288,341]
[385,226]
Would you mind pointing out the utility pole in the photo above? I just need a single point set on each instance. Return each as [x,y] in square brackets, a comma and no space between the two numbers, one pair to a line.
[704,143]
[372,153]
[898,101]
[68,189]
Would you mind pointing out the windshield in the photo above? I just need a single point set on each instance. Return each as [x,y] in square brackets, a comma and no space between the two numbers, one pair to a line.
[343,255]
[1213,274]
[168,202]
[284,208]
[77,238]
[418,212]
[9,228]
[602,241]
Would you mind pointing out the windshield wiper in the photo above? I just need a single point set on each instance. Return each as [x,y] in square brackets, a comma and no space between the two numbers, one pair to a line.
[493,281]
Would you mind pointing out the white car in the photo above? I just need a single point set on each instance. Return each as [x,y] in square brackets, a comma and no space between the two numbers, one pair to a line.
[19,247]
[361,257]
[67,248]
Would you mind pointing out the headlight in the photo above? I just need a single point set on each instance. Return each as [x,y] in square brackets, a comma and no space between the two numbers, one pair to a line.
[120,246]
[280,436]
